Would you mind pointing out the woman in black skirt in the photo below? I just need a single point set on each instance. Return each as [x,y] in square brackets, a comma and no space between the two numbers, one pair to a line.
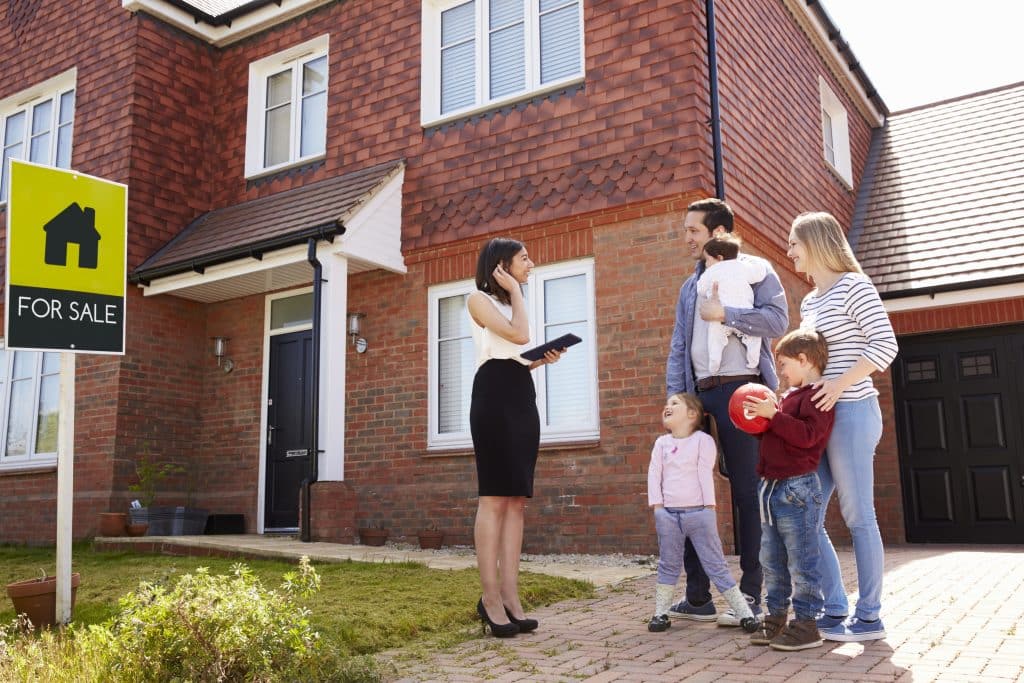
[506,429]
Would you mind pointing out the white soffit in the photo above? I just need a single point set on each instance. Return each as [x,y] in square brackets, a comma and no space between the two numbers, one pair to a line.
[372,240]
[955,298]
[241,27]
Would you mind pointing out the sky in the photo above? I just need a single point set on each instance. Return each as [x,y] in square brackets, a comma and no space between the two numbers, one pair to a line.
[922,51]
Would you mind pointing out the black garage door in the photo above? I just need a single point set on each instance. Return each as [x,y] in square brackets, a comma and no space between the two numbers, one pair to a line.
[959,415]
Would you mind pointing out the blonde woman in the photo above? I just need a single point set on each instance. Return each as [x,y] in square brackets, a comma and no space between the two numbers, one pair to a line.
[844,307]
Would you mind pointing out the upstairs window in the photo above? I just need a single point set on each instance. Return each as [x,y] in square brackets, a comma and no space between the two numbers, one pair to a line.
[559,299]
[835,133]
[287,118]
[37,124]
[480,53]
[29,391]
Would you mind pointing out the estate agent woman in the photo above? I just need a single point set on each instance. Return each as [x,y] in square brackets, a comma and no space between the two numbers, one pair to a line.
[506,429]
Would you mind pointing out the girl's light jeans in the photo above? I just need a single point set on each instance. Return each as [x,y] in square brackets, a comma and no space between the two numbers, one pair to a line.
[700,525]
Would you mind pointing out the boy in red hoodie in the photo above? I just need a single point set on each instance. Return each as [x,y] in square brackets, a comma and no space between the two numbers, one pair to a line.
[790,494]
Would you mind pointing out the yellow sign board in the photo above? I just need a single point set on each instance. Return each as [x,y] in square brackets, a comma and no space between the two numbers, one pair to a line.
[66,260]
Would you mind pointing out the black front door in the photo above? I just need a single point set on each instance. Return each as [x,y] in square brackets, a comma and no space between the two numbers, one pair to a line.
[959,414]
[288,442]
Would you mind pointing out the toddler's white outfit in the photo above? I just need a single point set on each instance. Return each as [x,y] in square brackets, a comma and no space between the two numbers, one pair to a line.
[734,278]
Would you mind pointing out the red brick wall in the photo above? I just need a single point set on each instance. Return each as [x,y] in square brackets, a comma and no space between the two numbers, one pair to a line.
[771,120]
[634,131]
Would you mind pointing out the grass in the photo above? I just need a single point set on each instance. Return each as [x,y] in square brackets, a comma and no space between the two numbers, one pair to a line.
[362,608]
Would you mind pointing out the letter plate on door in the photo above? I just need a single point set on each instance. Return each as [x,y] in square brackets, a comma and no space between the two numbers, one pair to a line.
[296,453]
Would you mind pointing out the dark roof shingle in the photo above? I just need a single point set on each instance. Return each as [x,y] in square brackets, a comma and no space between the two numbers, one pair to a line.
[268,222]
[946,206]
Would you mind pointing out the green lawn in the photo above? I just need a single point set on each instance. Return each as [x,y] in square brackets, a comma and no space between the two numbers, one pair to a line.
[362,608]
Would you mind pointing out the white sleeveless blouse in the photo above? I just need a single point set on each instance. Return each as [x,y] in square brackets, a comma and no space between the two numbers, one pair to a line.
[492,345]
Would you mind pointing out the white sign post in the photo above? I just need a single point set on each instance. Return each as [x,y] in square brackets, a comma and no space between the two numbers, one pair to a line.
[65,484]
[66,279]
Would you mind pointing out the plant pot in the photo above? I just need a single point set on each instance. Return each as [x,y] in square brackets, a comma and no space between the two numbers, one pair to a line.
[171,520]
[113,523]
[373,536]
[37,598]
[138,529]
[431,539]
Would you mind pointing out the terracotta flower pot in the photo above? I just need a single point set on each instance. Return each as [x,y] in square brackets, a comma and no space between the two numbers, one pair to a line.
[139,529]
[37,598]
[373,536]
[431,539]
[113,523]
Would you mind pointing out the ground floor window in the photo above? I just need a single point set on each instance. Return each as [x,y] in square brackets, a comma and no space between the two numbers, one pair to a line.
[559,299]
[30,387]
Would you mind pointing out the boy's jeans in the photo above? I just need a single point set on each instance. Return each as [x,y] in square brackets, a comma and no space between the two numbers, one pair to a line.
[791,515]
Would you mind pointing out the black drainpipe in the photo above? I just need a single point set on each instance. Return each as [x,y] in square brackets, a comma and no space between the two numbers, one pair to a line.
[716,150]
[716,124]
[314,391]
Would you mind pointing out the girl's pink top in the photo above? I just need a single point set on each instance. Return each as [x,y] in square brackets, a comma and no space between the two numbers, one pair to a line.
[680,474]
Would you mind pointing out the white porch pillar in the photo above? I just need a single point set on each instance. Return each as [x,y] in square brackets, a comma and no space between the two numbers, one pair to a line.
[333,349]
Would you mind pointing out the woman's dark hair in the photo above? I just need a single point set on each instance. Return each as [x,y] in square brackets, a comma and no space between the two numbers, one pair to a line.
[498,250]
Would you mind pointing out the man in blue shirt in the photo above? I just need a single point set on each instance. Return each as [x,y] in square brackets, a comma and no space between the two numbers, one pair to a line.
[688,371]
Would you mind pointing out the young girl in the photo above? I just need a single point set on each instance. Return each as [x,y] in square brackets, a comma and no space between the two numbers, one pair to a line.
[681,490]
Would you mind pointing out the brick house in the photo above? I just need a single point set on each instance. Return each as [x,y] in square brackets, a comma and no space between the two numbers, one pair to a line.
[383,142]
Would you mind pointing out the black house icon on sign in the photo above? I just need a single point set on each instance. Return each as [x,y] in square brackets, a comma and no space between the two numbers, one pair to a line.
[75,225]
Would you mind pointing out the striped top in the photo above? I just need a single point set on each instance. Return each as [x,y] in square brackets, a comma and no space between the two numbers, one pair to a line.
[851,317]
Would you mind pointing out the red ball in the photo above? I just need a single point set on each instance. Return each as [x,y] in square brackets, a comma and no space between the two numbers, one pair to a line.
[745,421]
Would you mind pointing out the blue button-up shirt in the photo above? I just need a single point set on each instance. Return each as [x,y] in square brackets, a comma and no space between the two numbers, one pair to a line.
[768,319]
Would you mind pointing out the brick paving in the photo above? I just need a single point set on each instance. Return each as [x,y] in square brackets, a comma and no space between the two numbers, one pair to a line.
[952,613]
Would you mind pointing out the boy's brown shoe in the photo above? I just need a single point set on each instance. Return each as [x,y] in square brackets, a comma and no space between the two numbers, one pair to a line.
[799,635]
[768,629]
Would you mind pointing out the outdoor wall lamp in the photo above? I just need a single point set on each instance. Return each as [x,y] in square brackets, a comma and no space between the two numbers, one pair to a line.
[220,350]
[353,331]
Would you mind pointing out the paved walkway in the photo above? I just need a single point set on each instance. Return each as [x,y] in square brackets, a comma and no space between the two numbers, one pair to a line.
[953,613]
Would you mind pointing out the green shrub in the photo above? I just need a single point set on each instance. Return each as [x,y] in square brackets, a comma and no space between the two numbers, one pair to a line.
[216,628]
[203,628]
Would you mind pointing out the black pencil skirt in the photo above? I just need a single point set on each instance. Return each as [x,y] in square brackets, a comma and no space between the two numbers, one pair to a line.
[506,428]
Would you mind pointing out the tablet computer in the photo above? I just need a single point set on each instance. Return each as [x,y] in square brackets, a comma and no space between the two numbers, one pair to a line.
[563,342]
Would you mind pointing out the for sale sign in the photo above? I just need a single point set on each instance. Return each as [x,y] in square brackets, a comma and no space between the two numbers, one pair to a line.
[66,261]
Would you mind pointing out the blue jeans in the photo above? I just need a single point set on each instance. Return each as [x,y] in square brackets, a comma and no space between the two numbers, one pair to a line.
[741,456]
[677,526]
[847,467]
[790,515]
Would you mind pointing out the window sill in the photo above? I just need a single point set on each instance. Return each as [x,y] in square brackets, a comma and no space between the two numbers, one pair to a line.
[260,174]
[28,468]
[570,86]
[839,176]
[462,451]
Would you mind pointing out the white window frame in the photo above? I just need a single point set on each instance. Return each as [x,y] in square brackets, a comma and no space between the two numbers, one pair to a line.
[833,114]
[255,129]
[26,101]
[589,431]
[430,78]
[32,459]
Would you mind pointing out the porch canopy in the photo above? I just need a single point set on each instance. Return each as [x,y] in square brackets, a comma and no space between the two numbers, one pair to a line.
[260,245]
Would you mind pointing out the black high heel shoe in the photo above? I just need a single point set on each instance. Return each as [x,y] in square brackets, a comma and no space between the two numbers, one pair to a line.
[525,624]
[497,630]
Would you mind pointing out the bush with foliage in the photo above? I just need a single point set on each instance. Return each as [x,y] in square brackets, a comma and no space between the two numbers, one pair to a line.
[204,628]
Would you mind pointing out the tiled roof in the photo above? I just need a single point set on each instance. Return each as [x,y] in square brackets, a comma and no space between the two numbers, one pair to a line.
[266,223]
[945,209]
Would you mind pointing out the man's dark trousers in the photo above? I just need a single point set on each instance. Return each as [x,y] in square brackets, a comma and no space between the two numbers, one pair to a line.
[740,451]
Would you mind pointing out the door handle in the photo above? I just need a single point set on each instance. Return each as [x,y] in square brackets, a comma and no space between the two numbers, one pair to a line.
[270,434]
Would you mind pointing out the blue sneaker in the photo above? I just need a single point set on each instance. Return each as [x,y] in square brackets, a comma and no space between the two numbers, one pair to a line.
[684,610]
[853,630]
[828,621]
